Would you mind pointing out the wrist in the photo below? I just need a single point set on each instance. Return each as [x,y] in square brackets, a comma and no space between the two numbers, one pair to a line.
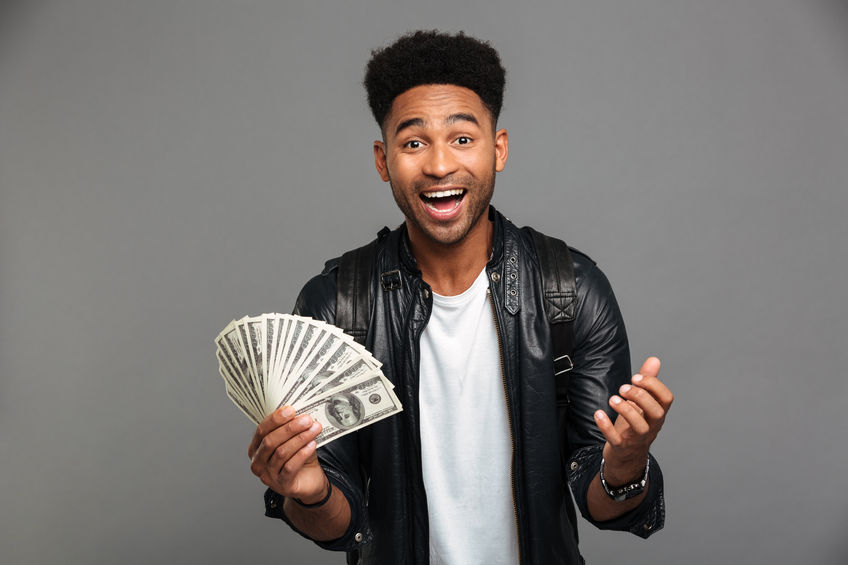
[319,499]
[626,489]
[623,470]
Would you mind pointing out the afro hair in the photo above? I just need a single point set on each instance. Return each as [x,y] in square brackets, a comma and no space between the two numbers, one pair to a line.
[431,57]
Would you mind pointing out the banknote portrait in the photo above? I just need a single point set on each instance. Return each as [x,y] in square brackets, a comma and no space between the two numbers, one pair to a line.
[345,410]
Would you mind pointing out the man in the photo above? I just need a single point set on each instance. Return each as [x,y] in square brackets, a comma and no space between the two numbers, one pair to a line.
[470,471]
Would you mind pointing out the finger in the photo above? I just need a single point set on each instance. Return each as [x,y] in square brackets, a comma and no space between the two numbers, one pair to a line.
[630,414]
[651,367]
[281,435]
[607,428]
[656,387]
[635,407]
[299,459]
[644,402]
[279,461]
[273,421]
[301,475]
[276,438]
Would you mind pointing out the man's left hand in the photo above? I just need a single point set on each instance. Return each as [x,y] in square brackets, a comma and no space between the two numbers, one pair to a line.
[641,408]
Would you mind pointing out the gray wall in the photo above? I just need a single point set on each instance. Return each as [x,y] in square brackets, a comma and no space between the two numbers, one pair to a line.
[167,166]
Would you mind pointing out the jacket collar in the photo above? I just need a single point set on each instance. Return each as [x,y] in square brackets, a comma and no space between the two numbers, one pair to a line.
[497,236]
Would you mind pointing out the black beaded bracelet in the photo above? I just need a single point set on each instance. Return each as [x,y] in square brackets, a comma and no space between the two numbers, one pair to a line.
[321,502]
[625,492]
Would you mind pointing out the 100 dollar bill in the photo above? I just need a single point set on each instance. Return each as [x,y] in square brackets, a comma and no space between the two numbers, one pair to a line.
[349,408]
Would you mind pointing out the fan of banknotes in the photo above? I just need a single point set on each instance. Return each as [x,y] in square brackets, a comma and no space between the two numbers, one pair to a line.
[274,360]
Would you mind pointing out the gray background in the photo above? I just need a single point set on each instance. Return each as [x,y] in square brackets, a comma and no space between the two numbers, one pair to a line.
[167,166]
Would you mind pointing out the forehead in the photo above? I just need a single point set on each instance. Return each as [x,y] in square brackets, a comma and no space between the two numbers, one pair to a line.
[434,103]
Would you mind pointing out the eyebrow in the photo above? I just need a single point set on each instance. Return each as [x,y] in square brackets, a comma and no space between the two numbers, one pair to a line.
[450,120]
[453,118]
[418,122]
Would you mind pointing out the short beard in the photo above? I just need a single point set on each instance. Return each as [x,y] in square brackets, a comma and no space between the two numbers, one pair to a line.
[484,189]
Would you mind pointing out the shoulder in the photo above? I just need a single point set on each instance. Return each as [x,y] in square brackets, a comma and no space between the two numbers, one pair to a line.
[587,274]
[597,313]
[317,298]
[595,298]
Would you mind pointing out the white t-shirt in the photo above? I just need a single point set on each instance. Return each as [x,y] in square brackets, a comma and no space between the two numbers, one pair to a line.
[465,439]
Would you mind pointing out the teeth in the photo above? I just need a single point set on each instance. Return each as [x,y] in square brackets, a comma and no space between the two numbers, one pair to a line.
[444,193]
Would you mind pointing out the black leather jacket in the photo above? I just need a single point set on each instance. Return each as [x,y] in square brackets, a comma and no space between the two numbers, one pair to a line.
[379,468]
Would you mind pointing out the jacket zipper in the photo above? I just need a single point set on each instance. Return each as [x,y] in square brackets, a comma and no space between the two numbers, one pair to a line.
[427,308]
[509,420]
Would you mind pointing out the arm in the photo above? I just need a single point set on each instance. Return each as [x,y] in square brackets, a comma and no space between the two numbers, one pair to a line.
[641,409]
[337,462]
[601,369]
[283,456]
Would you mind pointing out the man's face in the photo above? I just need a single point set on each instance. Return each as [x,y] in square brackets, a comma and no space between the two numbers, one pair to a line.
[344,413]
[440,154]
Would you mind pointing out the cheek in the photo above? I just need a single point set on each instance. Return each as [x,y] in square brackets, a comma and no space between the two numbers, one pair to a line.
[401,170]
[483,160]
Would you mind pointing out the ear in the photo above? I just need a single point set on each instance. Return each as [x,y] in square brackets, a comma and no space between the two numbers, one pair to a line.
[501,149]
[380,160]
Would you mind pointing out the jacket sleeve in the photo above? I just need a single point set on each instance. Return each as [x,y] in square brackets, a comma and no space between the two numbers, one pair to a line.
[340,459]
[601,366]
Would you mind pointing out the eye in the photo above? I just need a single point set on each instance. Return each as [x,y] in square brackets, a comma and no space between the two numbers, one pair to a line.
[463,140]
[412,144]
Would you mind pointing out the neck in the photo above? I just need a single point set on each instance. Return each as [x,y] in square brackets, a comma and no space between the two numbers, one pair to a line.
[450,269]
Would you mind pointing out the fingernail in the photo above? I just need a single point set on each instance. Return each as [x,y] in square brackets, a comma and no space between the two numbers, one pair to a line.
[637,378]
[288,412]
[600,415]
[314,427]
[304,420]
[624,389]
[615,400]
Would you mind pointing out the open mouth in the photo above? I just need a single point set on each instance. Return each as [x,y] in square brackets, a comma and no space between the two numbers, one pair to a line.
[443,201]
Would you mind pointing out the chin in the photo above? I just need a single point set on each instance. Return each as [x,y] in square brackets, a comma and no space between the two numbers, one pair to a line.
[448,235]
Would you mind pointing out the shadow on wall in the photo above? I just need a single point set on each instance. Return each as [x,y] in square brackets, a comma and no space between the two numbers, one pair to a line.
[11,11]
[14,15]
[836,12]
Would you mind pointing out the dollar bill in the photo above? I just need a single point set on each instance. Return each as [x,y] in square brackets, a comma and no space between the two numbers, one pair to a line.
[275,375]
[235,386]
[361,368]
[339,355]
[250,330]
[231,348]
[350,408]
[275,359]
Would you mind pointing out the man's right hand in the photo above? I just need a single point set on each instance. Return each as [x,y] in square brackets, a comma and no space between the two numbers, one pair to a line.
[282,455]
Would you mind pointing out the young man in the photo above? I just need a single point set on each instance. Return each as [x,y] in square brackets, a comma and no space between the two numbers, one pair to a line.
[470,471]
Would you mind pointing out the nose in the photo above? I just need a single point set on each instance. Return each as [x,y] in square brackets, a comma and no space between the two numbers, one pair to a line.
[439,161]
